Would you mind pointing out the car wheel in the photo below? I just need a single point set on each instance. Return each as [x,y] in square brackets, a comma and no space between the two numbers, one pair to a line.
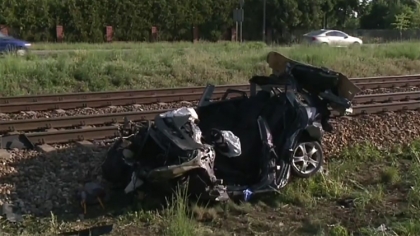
[21,52]
[356,44]
[308,158]
[324,44]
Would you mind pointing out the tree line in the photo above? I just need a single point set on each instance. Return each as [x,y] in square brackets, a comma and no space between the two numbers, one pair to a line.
[132,20]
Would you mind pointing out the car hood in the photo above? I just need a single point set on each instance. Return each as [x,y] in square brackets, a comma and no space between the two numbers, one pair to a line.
[17,41]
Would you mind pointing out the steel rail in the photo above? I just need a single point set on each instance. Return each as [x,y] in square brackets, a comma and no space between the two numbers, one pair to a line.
[366,82]
[102,102]
[385,78]
[93,102]
[112,94]
[389,84]
[67,136]
[113,118]
[76,121]
[386,97]
[64,136]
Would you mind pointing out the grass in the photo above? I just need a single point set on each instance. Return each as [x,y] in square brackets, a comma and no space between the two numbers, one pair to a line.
[116,45]
[93,46]
[183,64]
[366,191]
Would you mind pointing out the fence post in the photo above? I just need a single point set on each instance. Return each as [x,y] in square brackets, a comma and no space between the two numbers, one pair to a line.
[154,34]
[4,29]
[195,34]
[269,36]
[233,34]
[59,33]
[109,34]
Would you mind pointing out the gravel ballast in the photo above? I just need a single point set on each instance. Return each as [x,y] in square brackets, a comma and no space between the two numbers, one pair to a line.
[40,183]
[93,111]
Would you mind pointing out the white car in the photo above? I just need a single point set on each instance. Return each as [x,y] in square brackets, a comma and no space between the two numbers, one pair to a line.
[333,38]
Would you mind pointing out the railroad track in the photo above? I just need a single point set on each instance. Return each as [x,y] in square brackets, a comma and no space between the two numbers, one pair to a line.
[107,129]
[77,128]
[110,131]
[376,100]
[129,97]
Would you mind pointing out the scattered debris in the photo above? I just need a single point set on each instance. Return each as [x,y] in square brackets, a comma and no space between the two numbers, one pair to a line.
[11,213]
[94,231]
[347,203]
[92,193]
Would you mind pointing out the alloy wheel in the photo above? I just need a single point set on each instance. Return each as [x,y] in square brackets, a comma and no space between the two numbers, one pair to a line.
[307,159]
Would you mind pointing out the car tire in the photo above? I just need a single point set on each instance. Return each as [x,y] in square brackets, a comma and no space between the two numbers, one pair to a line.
[356,44]
[307,154]
[324,44]
[21,52]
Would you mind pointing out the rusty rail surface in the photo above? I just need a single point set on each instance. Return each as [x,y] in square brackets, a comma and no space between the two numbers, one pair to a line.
[129,97]
[104,132]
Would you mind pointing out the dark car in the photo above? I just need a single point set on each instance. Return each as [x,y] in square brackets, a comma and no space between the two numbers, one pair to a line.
[239,146]
[9,44]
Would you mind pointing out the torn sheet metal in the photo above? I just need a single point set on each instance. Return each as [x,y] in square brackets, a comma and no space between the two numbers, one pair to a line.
[193,119]
[226,143]
[134,183]
[183,111]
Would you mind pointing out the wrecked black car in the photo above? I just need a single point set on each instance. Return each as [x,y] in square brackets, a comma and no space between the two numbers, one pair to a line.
[248,144]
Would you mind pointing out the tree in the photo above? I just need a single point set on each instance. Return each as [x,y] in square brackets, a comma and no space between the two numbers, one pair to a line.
[402,22]
[83,20]
[415,18]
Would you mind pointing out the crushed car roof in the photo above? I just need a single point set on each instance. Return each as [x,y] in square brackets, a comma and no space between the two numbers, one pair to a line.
[278,63]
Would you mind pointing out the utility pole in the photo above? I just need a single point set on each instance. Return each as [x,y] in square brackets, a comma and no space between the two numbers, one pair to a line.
[264,17]
[241,5]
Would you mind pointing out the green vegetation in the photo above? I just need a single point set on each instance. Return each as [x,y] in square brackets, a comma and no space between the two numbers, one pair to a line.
[96,46]
[83,21]
[364,191]
[184,64]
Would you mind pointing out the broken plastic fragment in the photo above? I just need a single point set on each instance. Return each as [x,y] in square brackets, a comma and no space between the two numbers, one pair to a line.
[226,142]
[247,194]
[382,228]
[233,143]
[134,183]
[192,117]
[196,133]
[9,211]
[183,111]
[348,111]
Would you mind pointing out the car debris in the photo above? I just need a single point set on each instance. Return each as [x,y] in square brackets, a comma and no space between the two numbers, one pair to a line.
[11,213]
[92,193]
[92,231]
[236,147]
